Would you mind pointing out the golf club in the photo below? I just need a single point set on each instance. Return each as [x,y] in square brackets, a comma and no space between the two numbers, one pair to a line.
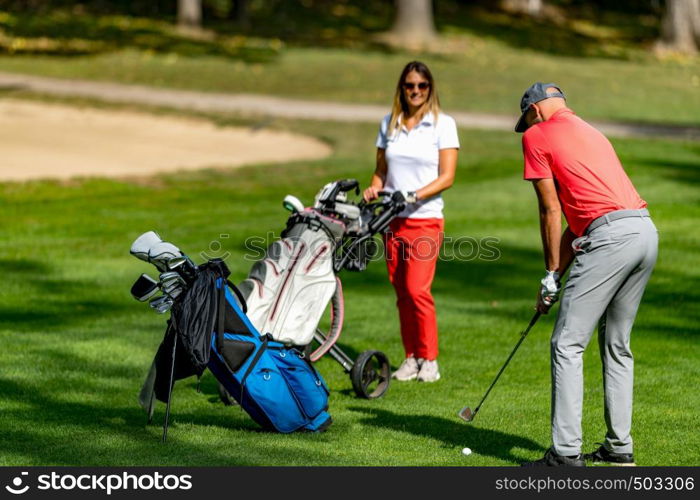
[171,277]
[184,267]
[141,245]
[173,291]
[144,288]
[466,413]
[160,253]
[161,304]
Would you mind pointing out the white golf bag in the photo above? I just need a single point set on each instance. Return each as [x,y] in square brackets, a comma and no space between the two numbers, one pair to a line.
[288,291]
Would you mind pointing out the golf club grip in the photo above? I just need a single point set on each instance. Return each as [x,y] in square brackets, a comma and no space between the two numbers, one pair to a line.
[383,219]
[348,184]
[337,266]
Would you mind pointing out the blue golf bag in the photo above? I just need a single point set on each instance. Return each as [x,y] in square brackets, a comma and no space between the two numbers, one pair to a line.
[208,328]
[276,385]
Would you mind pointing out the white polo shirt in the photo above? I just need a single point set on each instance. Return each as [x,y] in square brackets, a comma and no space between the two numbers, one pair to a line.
[413,156]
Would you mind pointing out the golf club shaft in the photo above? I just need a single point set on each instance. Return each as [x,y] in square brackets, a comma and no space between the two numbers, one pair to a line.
[522,337]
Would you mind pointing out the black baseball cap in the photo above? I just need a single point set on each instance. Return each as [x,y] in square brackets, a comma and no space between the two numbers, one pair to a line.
[536,93]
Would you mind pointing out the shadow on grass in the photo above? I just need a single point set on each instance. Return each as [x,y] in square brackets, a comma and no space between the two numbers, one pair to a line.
[687,172]
[53,303]
[23,267]
[56,310]
[451,432]
[57,432]
[671,304]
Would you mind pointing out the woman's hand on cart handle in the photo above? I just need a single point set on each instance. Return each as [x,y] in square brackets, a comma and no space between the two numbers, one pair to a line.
[371,193]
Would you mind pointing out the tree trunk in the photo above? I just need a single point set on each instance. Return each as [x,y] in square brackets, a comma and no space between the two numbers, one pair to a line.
[240,12]
[189,13]
[681,26]
[530,7]
[414,25]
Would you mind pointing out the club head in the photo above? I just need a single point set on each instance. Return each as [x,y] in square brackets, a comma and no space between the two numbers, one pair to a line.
[171,276]
[173,292]
[144,288]
[172,289]
[183,266]
[160,253]
[161,304]
[466,414]
[176,262]
[172,284]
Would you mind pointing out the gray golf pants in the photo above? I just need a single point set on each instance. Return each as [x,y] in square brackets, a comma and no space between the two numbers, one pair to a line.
[606,283]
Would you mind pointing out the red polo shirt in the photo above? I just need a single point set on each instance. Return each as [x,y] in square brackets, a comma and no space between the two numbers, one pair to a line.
[589,178]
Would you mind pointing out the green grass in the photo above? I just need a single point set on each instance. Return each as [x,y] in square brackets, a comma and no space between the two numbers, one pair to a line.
[488,76]
[76,345]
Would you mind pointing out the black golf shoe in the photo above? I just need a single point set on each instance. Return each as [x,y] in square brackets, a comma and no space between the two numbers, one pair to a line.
[552,459]
[602,455]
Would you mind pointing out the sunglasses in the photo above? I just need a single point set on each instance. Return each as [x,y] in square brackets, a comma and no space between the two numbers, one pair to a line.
[421,85]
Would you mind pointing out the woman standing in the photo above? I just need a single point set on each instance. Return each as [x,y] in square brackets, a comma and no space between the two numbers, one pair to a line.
[417,149]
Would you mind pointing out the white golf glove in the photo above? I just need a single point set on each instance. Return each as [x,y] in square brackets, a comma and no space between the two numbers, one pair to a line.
[551,286]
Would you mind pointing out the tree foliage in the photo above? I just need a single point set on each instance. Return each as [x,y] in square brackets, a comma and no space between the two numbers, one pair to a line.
[571,27]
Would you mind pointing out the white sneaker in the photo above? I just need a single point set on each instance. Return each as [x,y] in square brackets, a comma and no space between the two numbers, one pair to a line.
[429,371]
[408,370]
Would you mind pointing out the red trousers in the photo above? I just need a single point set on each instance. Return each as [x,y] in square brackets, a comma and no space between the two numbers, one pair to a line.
[412,248]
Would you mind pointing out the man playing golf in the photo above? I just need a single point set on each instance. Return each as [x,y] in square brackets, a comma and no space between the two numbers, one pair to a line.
[613,245]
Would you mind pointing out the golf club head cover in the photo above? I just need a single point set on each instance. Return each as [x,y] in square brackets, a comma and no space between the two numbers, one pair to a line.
[142,244]
[160,253]
[292,203]
[348,210]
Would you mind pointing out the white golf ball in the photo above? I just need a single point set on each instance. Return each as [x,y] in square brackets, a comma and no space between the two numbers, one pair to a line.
[466,451]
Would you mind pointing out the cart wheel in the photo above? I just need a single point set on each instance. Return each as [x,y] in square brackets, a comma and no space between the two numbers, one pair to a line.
[226,397]
[370,375]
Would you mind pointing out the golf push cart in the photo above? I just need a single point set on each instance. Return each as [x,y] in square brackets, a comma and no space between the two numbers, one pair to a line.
[287,292]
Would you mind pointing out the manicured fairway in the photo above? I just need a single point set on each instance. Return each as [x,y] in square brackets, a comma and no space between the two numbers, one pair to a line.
[75,345]
[484,76]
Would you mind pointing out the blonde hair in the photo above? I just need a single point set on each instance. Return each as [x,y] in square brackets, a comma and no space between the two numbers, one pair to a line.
[399,108]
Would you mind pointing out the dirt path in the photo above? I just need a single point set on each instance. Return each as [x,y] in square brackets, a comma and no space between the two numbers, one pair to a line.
[258,105]
[55,141]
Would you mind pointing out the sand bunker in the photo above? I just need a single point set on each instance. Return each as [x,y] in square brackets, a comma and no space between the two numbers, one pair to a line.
[53,141]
